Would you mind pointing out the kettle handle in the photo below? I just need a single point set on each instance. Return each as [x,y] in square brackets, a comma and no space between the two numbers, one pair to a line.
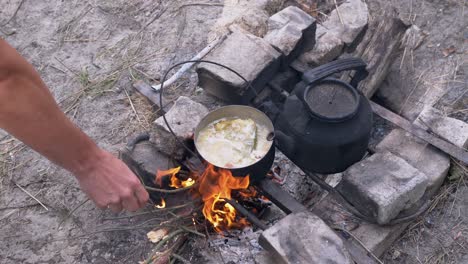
[333,67]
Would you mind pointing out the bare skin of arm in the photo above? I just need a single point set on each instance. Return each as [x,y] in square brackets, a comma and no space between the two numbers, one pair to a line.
[29,113]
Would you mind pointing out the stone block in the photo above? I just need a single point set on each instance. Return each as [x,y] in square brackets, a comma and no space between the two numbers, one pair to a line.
[303,238]
[250,56]
[328,46]
[3,133]
[348,22]
[376,238]
[291,31]
[451,129]
[183,117]
[250,15]
[383,185]
[424,157]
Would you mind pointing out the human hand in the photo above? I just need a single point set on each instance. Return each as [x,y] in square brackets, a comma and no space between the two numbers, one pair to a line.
[111,184]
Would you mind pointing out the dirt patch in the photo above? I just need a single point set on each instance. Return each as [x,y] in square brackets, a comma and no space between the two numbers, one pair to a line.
[87,52]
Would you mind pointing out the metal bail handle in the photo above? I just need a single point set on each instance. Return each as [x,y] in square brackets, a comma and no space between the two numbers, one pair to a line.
[323,71]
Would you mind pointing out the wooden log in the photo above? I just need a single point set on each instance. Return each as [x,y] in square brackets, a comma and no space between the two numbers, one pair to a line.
[445,146]
[379,48]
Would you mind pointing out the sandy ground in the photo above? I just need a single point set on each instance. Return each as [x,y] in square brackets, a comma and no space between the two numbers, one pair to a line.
[88,52]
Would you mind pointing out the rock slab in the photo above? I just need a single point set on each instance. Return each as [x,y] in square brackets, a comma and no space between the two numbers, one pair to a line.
[328,46]
[451,129]
[348,21]
[303,238]
[291,31]
[383,185]
[341,28]
[251,56]
[183,117]
[424,157]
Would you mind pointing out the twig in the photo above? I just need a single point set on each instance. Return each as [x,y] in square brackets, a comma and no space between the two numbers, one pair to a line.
[338,11]
[187,66]
[200,4]
[369,252]
[162,242]
[18,207]
[14,14]
[32,196]
[8,214]
[133,108]
[180,258]
[72,211]
[150,212]
[169,191]
[193,231]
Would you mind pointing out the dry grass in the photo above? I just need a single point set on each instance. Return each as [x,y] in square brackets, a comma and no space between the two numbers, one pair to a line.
[441,210]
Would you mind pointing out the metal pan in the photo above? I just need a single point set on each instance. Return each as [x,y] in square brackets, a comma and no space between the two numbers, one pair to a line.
[259,169]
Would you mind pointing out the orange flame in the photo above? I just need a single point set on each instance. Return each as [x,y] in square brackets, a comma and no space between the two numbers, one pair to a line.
[175,182]
[162,205]
[160,174]
[215,186]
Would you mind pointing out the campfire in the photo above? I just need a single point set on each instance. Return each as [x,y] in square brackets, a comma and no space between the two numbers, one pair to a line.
[213,186]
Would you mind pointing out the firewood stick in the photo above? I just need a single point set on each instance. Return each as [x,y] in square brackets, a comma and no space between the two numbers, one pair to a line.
[187,66]
[435,141]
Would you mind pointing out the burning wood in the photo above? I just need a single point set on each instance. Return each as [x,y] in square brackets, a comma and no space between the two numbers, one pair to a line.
[214,185]
[162,205]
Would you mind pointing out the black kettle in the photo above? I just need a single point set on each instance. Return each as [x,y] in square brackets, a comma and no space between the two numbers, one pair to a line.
[325,124]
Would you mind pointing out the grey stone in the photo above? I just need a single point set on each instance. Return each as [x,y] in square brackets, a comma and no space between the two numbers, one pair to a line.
[376,238]
[250,56]
[3,133]
[328,46]
[291,31]
[332,35]
[250,15]
[413,38]
[265,257]
[183,117]
[424,157]
[383,185]
[451,129]
[348,21]
[303,238]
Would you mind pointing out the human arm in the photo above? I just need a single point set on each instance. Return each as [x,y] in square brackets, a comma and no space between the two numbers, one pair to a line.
[29,113]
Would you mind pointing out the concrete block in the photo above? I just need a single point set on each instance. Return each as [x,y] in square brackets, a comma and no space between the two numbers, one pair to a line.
[250,56]
[3,133]
[451,129]
[183,117]
[349,22]
[328,46]
[424,157]
[250,15]
[291,31]
[303,238]
[383,185]
[377,239]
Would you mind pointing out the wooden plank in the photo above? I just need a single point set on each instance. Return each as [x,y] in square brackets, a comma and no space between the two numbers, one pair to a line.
[452,150]
[379,48]
[280,197]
